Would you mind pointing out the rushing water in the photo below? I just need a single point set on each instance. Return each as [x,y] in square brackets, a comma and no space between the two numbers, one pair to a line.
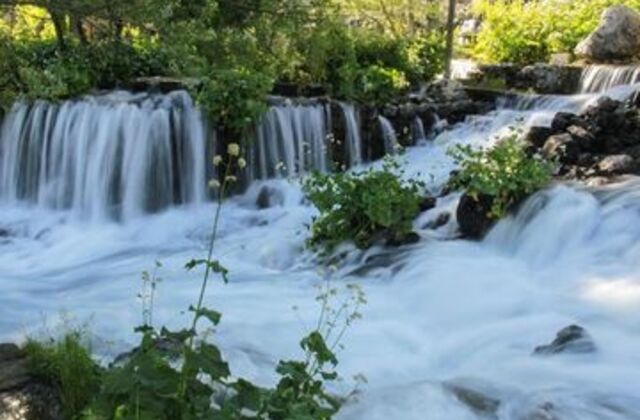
[600,78]
[440,311]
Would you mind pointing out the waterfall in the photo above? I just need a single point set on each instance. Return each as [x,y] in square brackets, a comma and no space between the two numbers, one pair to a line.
[599,78]
[353,138]
[418,132]
[389,135]
[290,141]
[113,156]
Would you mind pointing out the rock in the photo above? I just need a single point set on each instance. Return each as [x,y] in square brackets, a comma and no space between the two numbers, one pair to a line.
[537,136]
[4,233]
[428,203]
[36,401]
[23,397]
[572,339]
[441,220]
[562,120]
[580,134]
[162,84]
[269,197]
[479,403]
[473,216]
[549,79]
[616,165]
[562,147]
[408,239]
[616,38]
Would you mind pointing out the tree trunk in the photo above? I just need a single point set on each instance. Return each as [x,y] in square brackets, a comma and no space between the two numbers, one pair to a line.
[451,26]
[58,25]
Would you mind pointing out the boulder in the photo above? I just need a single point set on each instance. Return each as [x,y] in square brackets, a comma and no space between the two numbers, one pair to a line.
[269,197]
[562,147]
[473,216]
[616,165]
[616,38]
[537,136]
[572,339]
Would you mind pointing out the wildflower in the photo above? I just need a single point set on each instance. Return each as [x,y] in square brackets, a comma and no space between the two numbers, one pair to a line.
[217,160]
[230,178]
[233,149]
[214,183]
[242,163]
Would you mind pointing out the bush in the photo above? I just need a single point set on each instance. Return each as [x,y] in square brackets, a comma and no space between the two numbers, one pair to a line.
[505,173]
[379,85]
[362,207]
[235,98]
[526,32]
[66,364]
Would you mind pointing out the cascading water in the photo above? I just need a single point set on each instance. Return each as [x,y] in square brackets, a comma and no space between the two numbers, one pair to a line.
[353,138]
[440,313]
[290,140]
[389,135]
[600,78]
[118,155]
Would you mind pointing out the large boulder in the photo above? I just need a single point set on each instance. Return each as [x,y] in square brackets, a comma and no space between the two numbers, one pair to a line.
[473,215]
[616,38]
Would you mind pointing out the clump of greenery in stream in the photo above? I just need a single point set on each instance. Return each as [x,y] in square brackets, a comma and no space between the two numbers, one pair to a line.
[68,366]
[505,173]
[183,375]
[362,207]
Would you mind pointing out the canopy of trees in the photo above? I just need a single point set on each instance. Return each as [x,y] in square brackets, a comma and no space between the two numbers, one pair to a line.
[358,49]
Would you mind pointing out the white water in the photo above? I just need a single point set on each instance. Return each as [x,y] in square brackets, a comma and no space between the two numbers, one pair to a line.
[600,78]
[389,135]
[439,311]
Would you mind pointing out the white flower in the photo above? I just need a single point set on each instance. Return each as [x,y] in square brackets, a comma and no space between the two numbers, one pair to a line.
[217,160]
[214,183]
[242,163]
[233,149]
[230,178]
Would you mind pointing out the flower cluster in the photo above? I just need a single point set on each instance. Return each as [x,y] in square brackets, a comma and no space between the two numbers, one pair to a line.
[232,163]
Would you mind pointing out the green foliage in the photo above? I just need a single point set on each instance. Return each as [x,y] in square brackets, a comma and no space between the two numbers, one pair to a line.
[362,207]
[67,364]
[526,32]
[234,98]
[237,49]
[504,172]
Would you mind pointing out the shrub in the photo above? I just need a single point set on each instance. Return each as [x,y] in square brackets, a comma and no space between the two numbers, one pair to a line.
[235,98]
[66,364]
[505,173]
[379,85]
[362,207]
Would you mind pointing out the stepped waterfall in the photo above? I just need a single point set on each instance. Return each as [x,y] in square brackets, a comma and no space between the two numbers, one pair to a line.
[94,190]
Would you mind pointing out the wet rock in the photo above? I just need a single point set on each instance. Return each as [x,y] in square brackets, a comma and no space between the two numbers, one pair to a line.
[479,403]
[473,216]
[428,203]
[269,197]
[617,164]
[4,233]
[162,84]
[572,339]
[616,38]
[438,222]
[408,239]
